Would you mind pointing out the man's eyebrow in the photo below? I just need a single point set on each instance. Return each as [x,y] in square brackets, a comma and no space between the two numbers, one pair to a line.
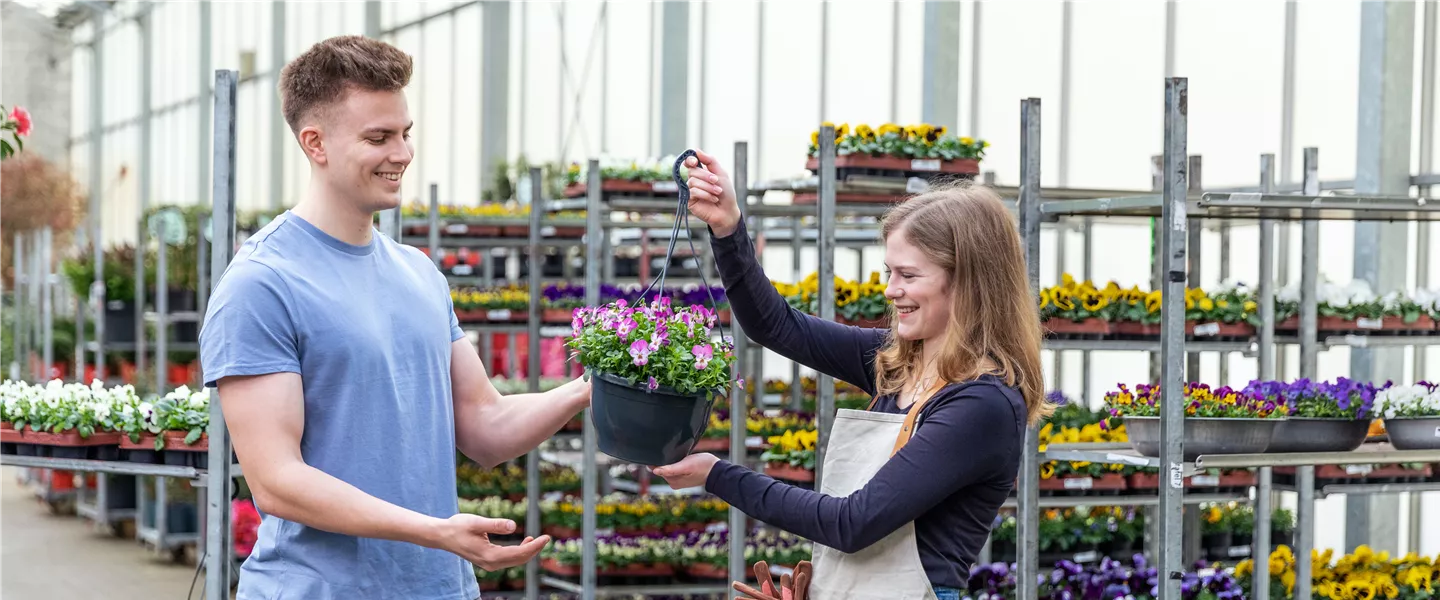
[387,130]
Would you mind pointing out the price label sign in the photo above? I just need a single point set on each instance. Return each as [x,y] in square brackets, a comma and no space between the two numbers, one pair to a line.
[1366,323]
[1207,329]
[665,186]
[1205,480]
[1079,483]
[499,314]
[925,164]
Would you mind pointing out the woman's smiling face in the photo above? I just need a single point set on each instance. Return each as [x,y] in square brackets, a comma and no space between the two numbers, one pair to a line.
[918,288]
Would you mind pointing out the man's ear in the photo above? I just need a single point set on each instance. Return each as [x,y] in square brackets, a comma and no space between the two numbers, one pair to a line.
[312,143]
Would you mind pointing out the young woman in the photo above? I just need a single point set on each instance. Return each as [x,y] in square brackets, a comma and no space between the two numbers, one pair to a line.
[911,486]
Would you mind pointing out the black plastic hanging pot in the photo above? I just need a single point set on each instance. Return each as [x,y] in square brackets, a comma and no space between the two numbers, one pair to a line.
[652,428]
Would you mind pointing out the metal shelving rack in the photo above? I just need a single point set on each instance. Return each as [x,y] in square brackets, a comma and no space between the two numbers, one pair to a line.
[1177,209]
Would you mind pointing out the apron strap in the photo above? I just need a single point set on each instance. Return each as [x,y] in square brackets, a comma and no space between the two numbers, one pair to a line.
[908,429]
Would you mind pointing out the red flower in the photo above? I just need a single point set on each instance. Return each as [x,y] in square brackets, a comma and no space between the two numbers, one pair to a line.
[22,120]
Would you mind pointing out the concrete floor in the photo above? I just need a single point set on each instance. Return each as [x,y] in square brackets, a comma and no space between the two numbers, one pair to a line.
[44,556]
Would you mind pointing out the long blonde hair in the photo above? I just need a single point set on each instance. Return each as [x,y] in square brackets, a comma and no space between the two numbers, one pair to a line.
[966,229]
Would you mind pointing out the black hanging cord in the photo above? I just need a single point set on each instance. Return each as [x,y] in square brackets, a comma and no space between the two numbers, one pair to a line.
[682,215]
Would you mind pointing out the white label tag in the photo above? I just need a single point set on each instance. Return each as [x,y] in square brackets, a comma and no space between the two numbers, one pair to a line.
[547,231]
[499,314]
[462,270]
[916,185]
[665,186]
[1080,483]
[1085,557]
[1205,480]
[1177,219]
[1238,551]
[1177,479]
[1437,432]
[754,440]
[925,164]
[1358,469]
[1364,323]
[457,229]
[1207,329]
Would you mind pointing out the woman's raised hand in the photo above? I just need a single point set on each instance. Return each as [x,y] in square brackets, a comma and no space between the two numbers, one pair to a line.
[712,197]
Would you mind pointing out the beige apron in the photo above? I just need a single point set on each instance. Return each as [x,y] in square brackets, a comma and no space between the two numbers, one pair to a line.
[860,443]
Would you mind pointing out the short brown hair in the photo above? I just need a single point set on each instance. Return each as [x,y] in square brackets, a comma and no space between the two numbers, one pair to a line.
[330,69]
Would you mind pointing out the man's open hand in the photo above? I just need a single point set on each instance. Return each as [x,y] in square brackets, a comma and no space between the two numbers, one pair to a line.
[468,536]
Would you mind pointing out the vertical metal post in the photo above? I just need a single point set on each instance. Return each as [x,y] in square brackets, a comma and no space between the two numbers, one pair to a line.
[47,299]
[1028,515]
[1260,539]
[797,247]
[825,229]
[495,88]
[675,71]
[22,282]
[594,206]
[162,306]
[1309,357]
[1172,335]
[1304,528]
[1157,260]
[202,292]
[278,128]
[825,57]
[1423,228]
[1194,236]
[147,35]
[759,98]
[97,187]
[532,369]
[1058,356]
[940,86]
[739,409]
[1265,286]
[1309,272]
[975,70]
[895,66]
[1287,165]
[432,218]
[217,497]
[1087,230]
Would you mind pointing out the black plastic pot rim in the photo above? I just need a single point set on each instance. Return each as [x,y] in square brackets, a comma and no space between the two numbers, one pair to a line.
[659,391]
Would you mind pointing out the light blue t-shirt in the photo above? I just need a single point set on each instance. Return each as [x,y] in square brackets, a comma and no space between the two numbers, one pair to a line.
[369,330]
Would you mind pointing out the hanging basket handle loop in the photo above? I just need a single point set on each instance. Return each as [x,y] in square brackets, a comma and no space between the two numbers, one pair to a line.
[682,215]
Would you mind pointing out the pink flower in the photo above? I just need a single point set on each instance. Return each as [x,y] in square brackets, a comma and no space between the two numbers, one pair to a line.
[661,335]
[640,351]
[577,323]
[652,385]
[703,354]
[625,327]
[22,120]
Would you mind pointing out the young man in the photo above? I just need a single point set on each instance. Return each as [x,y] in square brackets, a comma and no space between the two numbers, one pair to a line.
[343,374]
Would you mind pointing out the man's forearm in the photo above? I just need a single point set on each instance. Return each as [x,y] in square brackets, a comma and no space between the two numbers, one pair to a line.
[517,423]
[301,493]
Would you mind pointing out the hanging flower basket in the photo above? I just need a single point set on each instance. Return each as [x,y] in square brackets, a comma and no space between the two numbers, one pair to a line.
[655,370]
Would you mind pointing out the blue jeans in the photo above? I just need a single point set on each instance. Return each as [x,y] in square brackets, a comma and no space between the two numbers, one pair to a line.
[948,593]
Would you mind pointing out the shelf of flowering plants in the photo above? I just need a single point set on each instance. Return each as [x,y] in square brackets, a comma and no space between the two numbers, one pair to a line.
[688,559]
[622,178]
[93,427]
[913,154]
[1360,575]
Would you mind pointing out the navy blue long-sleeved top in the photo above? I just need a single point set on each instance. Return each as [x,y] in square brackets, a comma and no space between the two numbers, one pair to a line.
[950,478]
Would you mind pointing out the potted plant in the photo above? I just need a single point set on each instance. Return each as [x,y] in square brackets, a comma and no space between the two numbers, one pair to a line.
[1228,313]
[655,372]
[1080,477]
[1217,421]
[1323,417]
[1412,415]
[1076,309]
[791,456]
[184,417]
[627,177]
[62,420]
[921,150]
